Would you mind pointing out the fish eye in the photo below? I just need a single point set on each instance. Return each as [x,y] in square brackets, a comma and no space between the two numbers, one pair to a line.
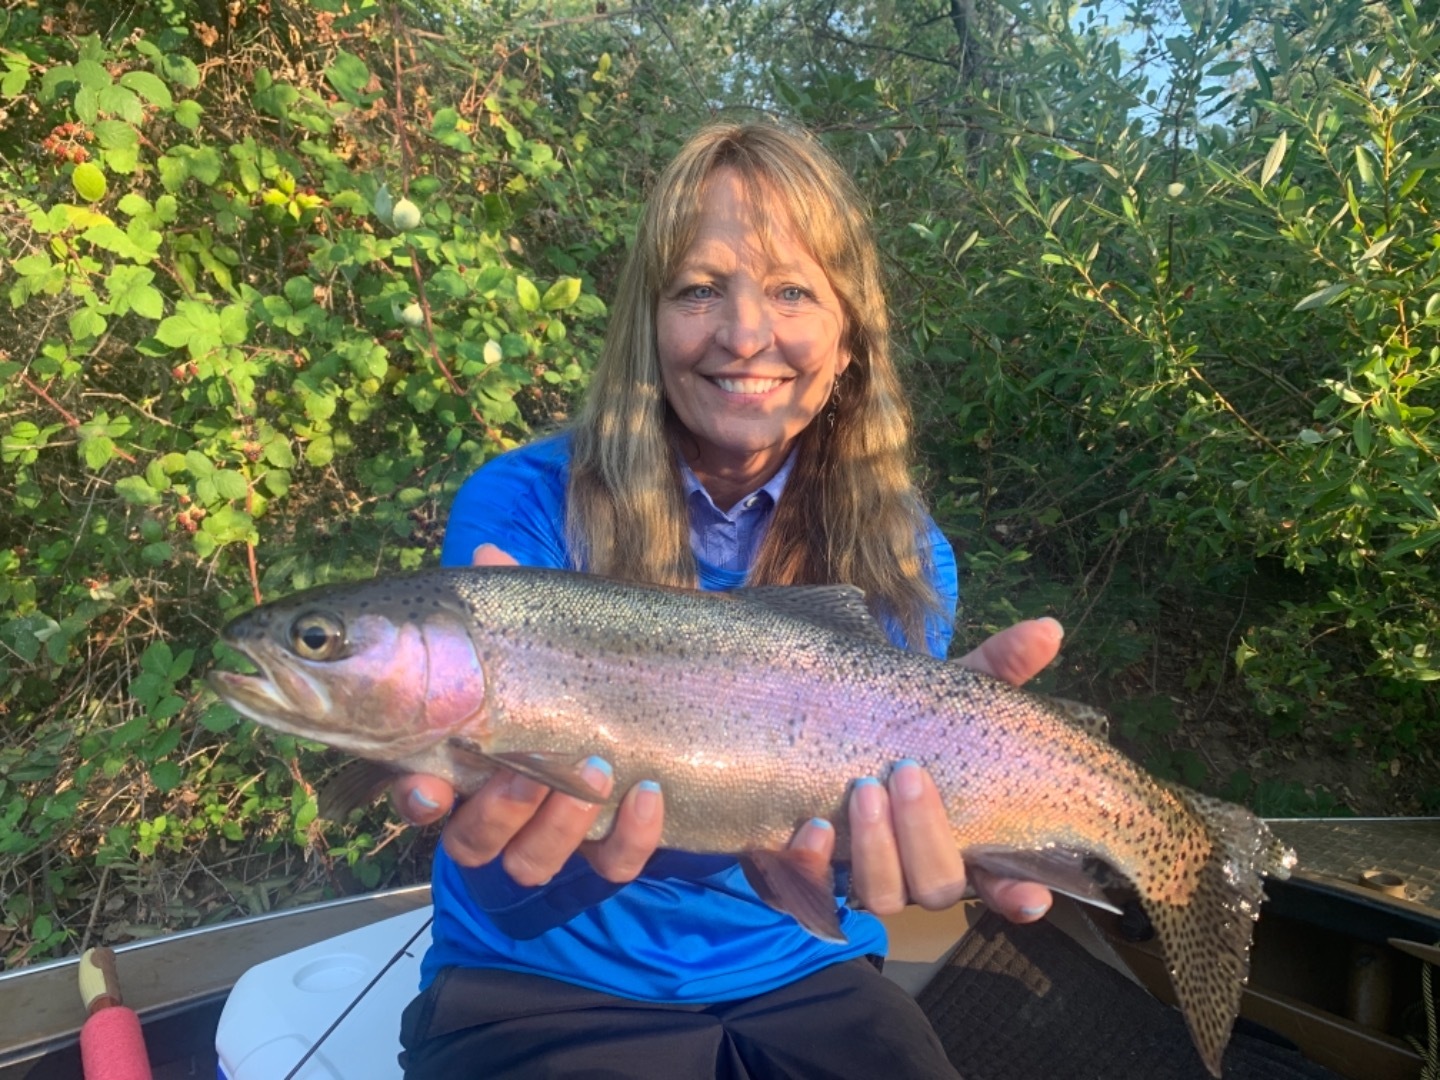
[317,636]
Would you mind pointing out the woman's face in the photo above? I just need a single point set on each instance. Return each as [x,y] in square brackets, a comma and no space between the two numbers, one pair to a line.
[749,341]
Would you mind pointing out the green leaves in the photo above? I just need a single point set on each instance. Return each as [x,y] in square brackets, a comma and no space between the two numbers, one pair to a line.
[208,374]
[560,295]
[183,163]
[99,95]
[527,293]
[202,328]
[1323,296]
[1274,159]
[148,87]
[137,491]
[85,323]
[131,289]
[349,76]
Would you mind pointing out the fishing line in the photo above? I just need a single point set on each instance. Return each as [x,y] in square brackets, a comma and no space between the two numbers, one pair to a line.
[359,998]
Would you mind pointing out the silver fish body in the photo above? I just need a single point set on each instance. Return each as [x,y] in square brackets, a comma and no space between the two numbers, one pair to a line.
[755,711]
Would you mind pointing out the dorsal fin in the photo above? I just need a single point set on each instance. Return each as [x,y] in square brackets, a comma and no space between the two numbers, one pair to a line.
[1088,718]
[831,607]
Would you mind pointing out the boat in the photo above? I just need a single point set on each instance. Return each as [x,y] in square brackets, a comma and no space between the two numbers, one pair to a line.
[1336,980]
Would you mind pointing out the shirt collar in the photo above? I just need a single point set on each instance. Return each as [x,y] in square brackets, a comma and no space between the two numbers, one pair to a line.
[772,487]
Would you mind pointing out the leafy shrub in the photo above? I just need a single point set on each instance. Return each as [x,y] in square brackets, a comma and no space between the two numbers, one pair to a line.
[230,373]
[1170,301]
[1182,343]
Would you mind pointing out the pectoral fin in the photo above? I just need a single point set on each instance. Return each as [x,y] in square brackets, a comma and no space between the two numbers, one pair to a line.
[357,784]
[1073,873]
[558,771]
[799,883]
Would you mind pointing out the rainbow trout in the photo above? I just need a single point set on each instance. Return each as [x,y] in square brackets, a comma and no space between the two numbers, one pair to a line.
[755,710]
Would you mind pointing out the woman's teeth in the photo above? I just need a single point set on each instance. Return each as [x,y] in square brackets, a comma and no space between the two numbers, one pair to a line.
[747,386]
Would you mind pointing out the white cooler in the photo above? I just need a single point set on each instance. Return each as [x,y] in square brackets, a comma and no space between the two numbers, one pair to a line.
[280,1009]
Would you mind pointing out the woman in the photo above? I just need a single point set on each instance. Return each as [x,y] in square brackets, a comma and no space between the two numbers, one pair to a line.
[744,424]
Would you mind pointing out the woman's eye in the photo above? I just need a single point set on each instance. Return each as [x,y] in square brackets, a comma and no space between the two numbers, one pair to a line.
[700,292]
[792,294]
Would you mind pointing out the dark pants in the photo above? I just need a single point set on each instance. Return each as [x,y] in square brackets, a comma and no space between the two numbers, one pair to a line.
[847,1021]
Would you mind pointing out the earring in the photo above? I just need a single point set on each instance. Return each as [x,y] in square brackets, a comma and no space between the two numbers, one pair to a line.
[834,404]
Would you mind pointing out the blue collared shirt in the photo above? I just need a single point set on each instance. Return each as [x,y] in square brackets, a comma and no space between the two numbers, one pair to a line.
[690,928]
[729,539]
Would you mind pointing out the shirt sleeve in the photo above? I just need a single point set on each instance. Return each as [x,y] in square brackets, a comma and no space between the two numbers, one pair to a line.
[523,912]
[517,503]
[945,577]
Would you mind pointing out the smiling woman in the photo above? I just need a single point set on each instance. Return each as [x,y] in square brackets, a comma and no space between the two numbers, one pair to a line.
[744,427]
[766,206]
[749,335]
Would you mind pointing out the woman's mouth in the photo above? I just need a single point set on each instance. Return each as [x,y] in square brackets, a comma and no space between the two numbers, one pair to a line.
[745,386]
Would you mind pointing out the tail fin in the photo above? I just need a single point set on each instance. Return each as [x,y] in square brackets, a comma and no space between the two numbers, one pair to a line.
[1207,939]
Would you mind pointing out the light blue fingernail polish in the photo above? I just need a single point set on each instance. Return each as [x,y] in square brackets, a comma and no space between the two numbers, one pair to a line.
[867,781]
[905,763]
[596,762]
[1034,910]
[820,823]
[648,785]
[421,800]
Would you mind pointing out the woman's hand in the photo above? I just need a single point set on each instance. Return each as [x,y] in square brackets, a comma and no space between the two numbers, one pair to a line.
[532,829]
[900,842]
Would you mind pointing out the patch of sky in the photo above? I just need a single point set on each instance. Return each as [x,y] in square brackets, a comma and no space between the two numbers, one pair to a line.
[1168,49]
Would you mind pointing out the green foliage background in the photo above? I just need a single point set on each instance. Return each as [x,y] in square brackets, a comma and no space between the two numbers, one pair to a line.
[1168,301]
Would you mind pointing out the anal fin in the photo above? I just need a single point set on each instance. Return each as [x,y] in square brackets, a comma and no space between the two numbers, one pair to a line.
[799,883]
[1061,869]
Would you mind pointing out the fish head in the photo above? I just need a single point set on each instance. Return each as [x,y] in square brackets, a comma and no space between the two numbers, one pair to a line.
[374,674]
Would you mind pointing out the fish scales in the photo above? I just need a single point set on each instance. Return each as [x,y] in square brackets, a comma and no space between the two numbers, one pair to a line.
[754,713]
[780,716]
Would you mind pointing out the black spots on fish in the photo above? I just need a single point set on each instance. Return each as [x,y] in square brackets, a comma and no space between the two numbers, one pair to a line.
[1220,854]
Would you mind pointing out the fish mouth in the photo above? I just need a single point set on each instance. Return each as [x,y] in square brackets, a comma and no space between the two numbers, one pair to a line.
[280,694]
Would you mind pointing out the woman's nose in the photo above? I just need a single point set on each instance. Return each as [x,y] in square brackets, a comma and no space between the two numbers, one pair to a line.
[747,328]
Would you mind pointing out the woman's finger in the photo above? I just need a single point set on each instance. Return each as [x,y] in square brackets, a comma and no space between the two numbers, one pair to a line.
[934,871]
[877,880]
[490,555]
[1018,901]
[816,835]
[481,826]
[421,799]
[1017,653]
[547,840]
[636,834]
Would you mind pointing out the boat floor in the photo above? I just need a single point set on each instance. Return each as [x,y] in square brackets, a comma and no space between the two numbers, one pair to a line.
[1009,998]
[1030,1003]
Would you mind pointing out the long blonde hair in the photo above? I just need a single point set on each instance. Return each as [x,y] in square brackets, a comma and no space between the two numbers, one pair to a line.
[849,512]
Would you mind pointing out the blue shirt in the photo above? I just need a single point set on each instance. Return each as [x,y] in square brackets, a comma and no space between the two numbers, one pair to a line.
[689,929]
[730,538]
